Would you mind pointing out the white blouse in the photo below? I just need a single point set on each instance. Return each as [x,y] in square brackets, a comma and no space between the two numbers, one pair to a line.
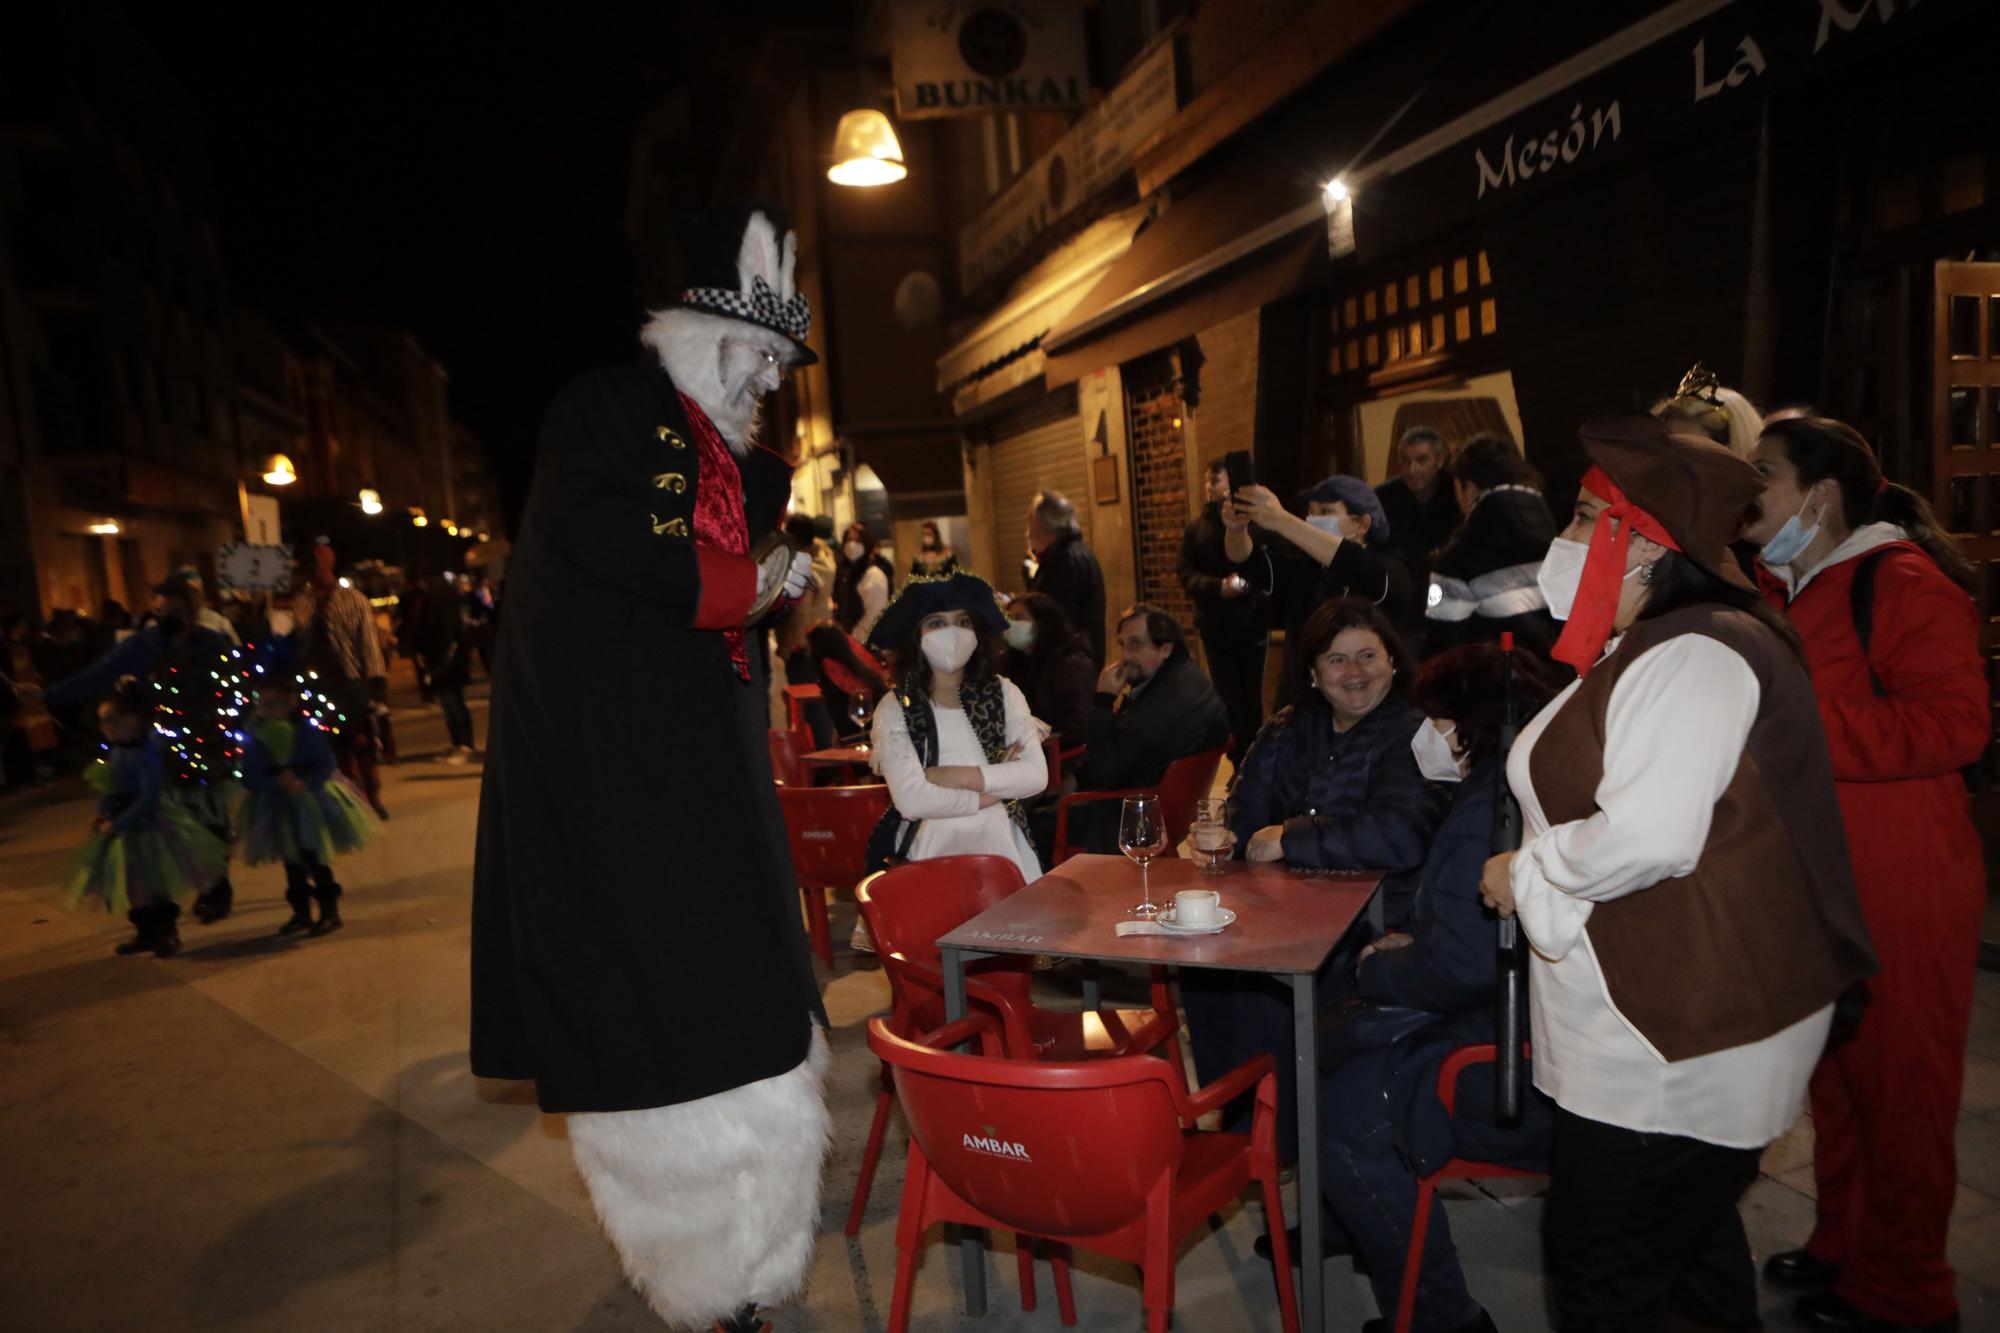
[1674,734]
[873,590]
[950,821]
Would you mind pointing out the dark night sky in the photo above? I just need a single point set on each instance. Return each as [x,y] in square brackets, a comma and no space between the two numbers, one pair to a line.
[462,178]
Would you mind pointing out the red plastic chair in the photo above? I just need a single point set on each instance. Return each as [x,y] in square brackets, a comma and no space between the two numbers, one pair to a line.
[1458,1168]
[1096,1154]
[795,706]
[788,748]
[1186,781]
[907,909]
[828,830]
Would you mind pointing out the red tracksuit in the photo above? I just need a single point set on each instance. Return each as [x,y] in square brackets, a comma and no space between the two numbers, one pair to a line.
[1885,1102]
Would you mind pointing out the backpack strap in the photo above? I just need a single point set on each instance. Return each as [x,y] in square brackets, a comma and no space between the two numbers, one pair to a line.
[1861,603]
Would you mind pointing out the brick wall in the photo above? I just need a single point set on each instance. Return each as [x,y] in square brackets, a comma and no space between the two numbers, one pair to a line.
[1156,429]
[1227,416]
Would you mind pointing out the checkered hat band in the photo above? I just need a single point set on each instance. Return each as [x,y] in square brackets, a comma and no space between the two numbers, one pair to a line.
[792,318]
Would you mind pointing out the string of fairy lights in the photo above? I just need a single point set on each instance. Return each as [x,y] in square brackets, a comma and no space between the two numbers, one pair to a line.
[205,741]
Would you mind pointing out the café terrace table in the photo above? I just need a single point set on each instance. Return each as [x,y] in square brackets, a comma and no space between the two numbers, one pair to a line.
[1287,922]
[844,759]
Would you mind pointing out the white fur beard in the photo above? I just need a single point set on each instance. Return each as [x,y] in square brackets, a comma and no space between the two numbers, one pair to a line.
[713,1204]
[686,343]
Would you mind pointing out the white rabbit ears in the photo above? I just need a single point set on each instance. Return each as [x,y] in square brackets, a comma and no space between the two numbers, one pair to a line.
[764,256]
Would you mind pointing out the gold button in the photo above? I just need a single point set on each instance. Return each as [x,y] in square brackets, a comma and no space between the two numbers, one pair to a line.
[670,481]
[672,437]
[673,527]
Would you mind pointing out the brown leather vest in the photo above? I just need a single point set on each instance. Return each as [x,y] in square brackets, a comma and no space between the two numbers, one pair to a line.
[1767,929]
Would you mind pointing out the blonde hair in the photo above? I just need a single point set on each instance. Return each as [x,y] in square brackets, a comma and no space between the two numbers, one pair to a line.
[1723,415]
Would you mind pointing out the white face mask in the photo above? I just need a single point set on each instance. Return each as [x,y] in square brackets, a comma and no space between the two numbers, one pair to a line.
[950,648]
[1562,572]
[1435,759]
[854,551]
[1020,635]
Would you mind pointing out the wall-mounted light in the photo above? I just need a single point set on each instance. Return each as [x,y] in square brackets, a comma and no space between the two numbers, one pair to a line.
[450,528]
[108,528]
[278,471]
[1336,191]
[866,151]
[371,501]
[417,518]
[1339,201]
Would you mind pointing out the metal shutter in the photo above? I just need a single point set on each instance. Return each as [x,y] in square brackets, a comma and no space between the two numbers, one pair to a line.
[1037,449]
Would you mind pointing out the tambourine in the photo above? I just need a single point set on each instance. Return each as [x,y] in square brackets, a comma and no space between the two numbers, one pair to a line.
[773,556]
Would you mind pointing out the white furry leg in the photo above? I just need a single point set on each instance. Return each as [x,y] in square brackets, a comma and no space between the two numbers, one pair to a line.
[713,1204]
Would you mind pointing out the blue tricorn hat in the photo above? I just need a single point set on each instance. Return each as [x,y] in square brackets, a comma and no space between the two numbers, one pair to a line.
[1358,496]
[927,594]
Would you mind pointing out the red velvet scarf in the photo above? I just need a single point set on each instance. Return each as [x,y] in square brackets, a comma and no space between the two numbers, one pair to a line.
[1595,609]
[718,509]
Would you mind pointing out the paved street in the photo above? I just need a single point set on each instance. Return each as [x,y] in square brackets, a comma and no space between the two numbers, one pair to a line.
[265,1134]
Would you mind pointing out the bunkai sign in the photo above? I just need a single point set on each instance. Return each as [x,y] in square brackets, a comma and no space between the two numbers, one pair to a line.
[977,57]
[1713,66]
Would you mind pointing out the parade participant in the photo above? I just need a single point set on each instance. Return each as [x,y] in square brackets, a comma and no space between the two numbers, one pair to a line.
[197,678]
[1877,593]
[861,588]
[297,810]
[934,554]
[632,870]
[336,626]
[954,740]
[1690,921]
[144,852]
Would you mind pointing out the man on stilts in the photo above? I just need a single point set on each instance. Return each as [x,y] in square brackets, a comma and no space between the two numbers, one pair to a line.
[637,946]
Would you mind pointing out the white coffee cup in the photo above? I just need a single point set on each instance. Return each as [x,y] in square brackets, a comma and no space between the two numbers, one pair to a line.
[1196,907]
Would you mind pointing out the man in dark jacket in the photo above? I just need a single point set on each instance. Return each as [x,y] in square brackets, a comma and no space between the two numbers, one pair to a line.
[1421,504]
[1153,706]
[1229,611]
[1483,583]
[1064,567]
[636,942]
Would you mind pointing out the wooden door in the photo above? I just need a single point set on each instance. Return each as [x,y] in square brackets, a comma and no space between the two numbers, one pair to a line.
[1965,434]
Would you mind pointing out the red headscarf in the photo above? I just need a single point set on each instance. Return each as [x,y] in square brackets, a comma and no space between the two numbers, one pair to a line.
[1595,610]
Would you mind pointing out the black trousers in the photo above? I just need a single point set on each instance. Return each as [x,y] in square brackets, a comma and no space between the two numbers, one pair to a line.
[306,881]
[1640,1226]
[1236,667]
[457,716]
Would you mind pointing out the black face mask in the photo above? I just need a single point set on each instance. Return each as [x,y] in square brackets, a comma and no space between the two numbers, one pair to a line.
[171,626]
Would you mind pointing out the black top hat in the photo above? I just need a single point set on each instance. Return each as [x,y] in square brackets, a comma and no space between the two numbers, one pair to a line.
[927,594]
[738,261]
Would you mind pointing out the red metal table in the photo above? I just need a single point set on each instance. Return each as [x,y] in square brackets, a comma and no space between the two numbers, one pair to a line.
[1287,923]
[850,762]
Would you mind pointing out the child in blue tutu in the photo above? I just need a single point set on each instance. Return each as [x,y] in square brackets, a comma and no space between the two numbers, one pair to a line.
[297,809]
[143,852]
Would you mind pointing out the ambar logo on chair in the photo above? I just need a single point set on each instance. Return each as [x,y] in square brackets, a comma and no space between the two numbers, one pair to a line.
[818,834]
[993,1145]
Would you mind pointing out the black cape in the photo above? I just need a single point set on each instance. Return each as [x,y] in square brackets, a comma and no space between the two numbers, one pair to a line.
[636,939]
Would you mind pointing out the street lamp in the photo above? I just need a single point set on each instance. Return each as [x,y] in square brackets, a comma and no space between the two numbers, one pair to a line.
[278,471]
[108,528]
[866,151]
[417,518]
[371,501]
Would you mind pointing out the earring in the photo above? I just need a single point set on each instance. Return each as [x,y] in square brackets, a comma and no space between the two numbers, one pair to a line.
[1646,574]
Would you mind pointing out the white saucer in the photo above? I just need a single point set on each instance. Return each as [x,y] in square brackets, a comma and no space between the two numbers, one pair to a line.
[1223,917]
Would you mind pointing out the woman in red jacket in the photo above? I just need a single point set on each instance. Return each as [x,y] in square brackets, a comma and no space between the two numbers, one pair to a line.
[1905,708]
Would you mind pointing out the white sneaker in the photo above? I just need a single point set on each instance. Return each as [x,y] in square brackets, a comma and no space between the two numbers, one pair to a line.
[457,756]
[861,941]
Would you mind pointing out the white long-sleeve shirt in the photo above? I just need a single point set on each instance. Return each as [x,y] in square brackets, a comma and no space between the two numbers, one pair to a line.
[873,590]
[951,822]
[1674,733]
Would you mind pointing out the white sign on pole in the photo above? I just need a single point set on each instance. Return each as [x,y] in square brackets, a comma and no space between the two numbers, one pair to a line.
[253,567]
[977,57]
[260,520]
[1096,151]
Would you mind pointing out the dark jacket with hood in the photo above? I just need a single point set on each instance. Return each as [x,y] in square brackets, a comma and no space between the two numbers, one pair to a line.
[1483,582]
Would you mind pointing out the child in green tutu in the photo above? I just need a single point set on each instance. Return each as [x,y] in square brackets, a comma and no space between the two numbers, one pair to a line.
[297,809]
[144,853]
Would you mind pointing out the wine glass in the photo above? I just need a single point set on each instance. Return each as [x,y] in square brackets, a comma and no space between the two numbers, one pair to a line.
[858,709]
[1210,835]
[1142,835]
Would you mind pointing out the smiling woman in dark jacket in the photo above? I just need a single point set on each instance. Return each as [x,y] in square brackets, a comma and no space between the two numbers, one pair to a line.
[1330,784]
[1419,994]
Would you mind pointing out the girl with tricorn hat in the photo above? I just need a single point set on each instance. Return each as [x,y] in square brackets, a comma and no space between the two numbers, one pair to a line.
[1690,909]
[954,740]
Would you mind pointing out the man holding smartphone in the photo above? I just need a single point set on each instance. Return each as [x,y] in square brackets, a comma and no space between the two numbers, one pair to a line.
[1230,613]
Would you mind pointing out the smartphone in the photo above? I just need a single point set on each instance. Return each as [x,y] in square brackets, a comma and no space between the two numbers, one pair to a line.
[1236,465]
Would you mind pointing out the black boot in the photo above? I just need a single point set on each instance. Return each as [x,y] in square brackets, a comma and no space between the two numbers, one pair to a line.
[214,905]
[167,937]
[301,919]
[142,933]
[156,933]
[326,892]
[1800,1270]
